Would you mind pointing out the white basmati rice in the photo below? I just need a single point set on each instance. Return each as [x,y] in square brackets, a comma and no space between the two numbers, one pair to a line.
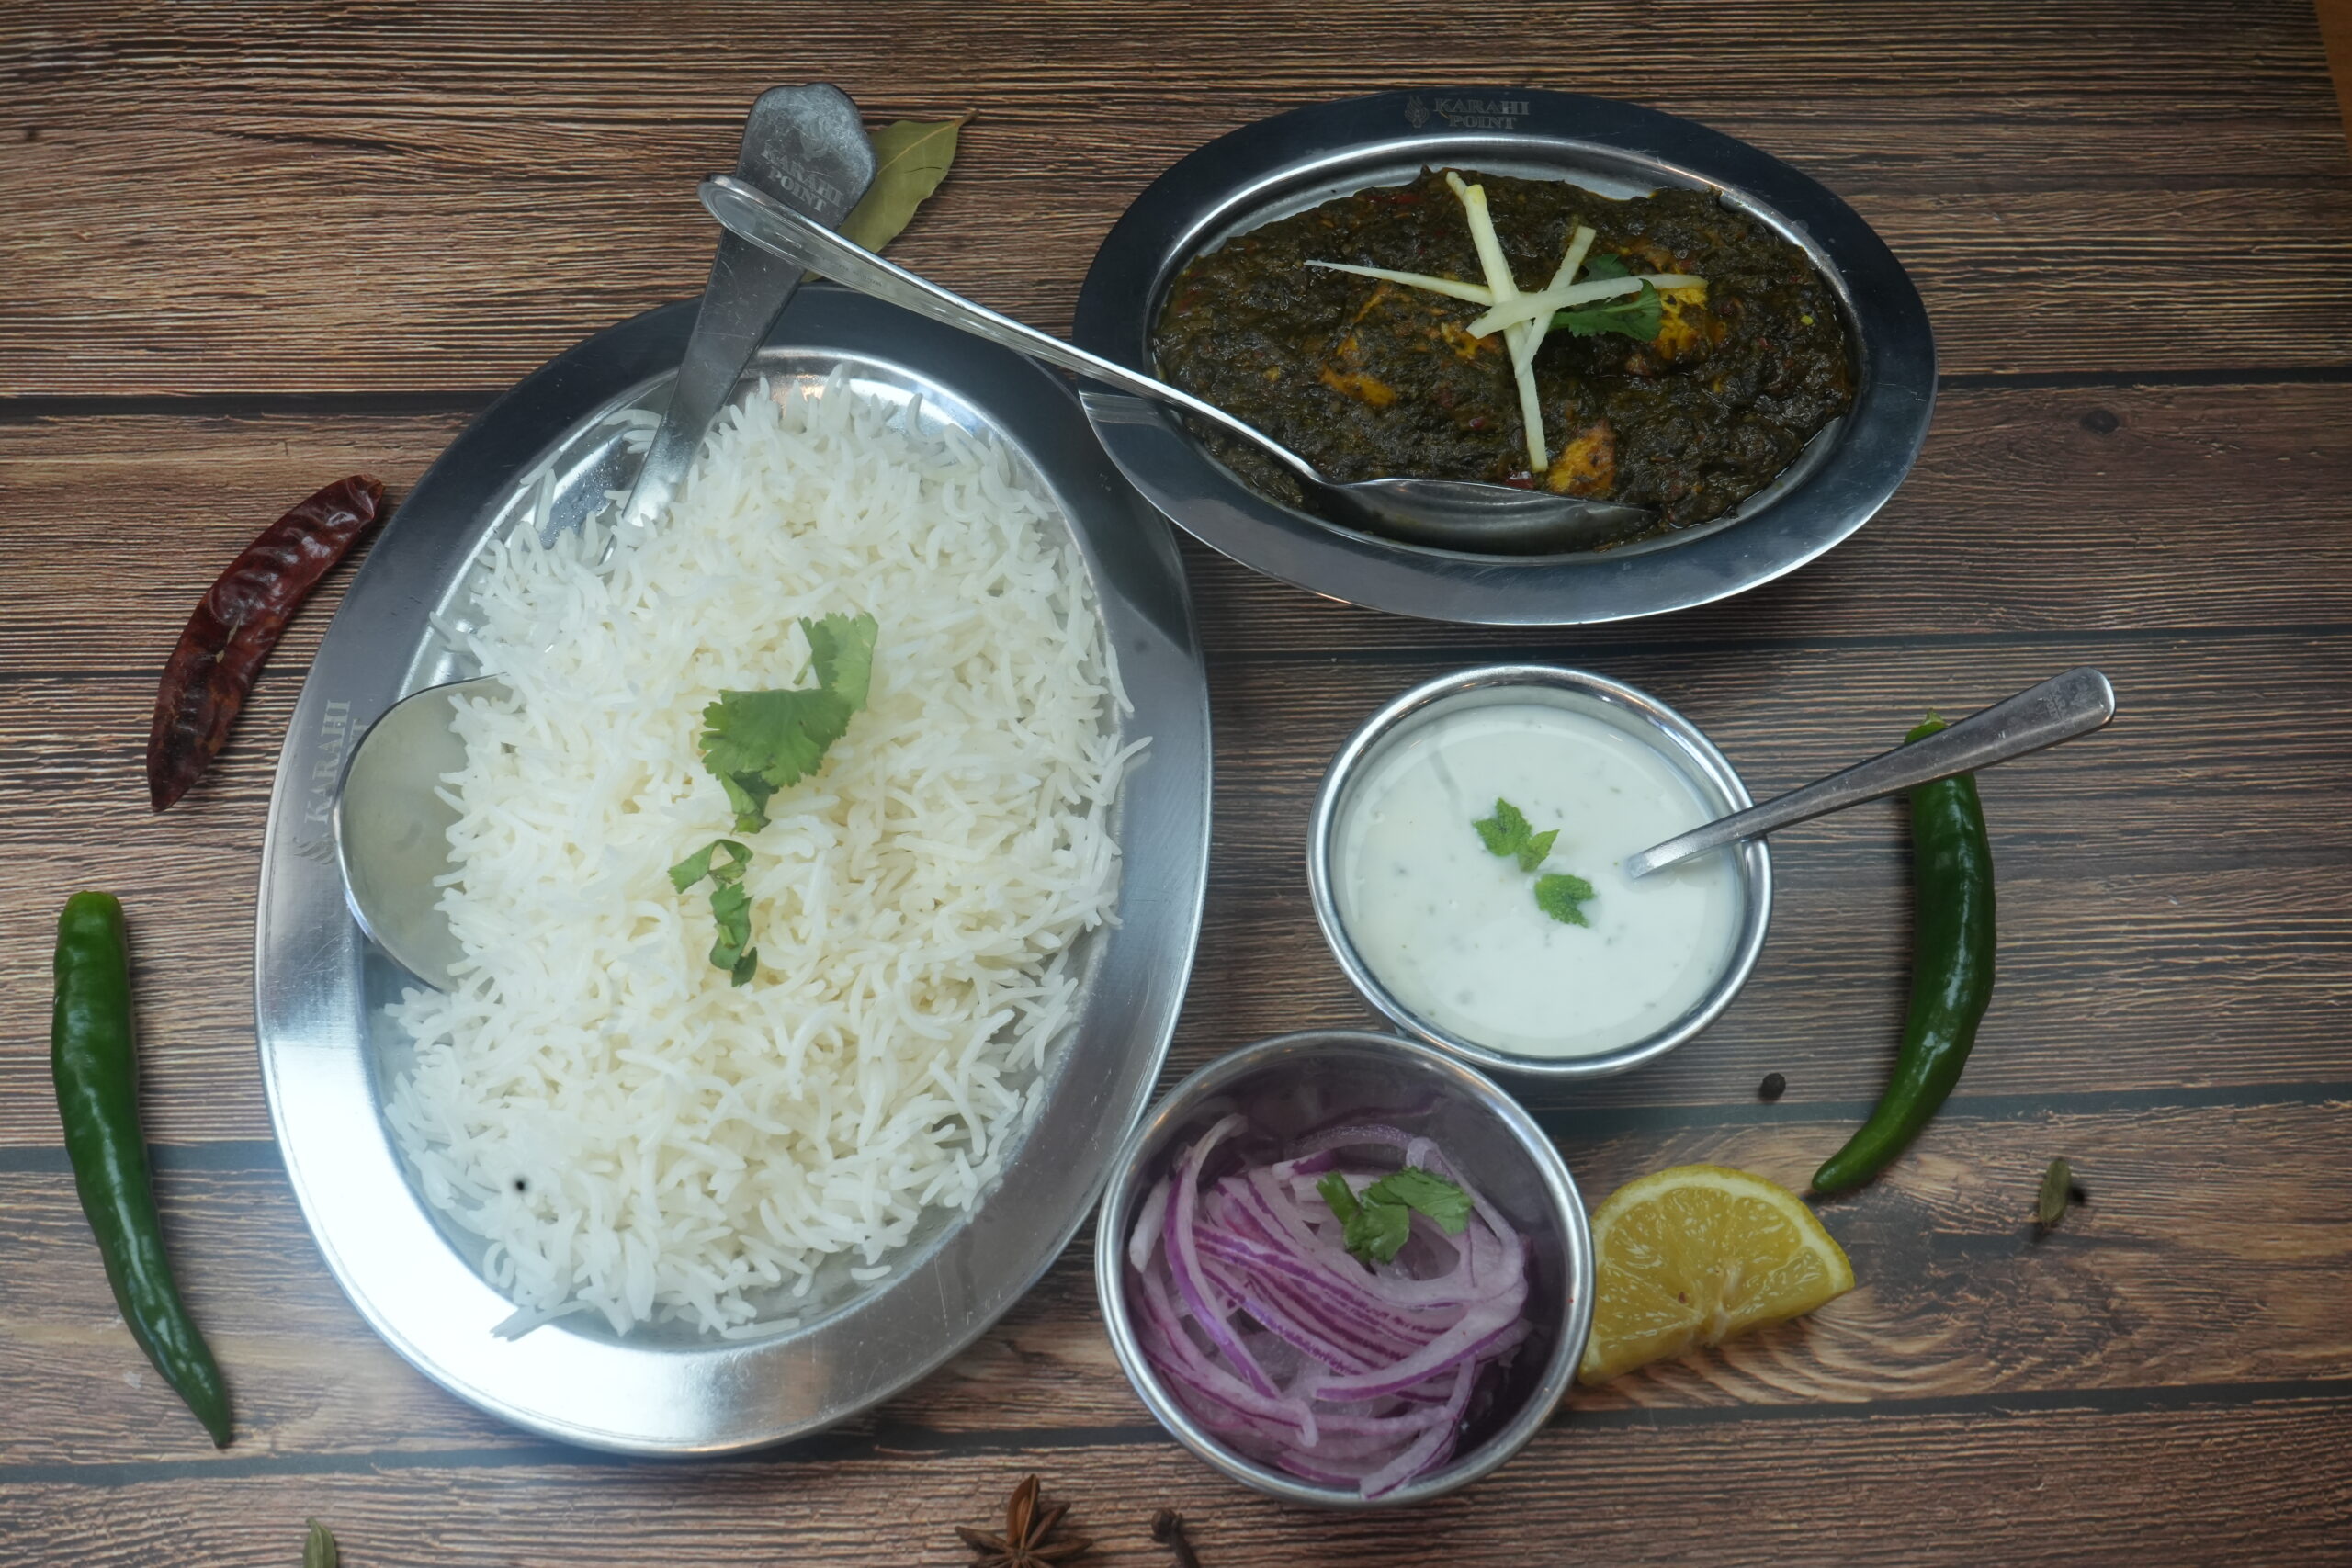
[631,1134]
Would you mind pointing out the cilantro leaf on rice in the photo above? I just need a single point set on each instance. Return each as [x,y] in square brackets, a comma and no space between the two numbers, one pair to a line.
[759,742]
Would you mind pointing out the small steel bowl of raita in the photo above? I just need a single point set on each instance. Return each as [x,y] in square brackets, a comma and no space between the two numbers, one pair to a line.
[1465,857]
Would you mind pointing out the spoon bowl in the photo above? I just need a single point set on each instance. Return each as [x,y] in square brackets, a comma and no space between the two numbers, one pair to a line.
[1482,519]
[391,826]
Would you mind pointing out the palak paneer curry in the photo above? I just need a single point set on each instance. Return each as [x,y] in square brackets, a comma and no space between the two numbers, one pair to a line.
[1367,377]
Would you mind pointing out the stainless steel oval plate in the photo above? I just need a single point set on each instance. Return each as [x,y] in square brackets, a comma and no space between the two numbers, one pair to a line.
[544,455]
[1292,161]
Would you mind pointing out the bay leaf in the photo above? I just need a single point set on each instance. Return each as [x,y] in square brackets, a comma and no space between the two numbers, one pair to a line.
[910,158]
[318,1551]
[2057,1185]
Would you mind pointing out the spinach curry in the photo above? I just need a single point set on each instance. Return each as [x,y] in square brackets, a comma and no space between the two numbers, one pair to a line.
[1368,379]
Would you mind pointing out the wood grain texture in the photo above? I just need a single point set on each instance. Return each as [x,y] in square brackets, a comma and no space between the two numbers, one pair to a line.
[1959,1297]
[2170,897]
[2238,1479]
[384,195]
[2039,509]
[254,248]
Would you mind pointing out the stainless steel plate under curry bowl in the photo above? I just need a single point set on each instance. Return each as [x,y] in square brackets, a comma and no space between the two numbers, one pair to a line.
[549,452]
[1292,161]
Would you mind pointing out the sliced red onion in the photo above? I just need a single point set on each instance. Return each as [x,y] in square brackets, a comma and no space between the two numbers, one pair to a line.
[1309,1165]
[1340,1348]
[1264,1260]
[1184,1362]
[1433,1446]
[1478,1328]
[1260,1322]
[1183,1258]
[1148,1223]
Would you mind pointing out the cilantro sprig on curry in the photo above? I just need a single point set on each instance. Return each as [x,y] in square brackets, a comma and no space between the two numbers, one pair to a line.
[1678,361]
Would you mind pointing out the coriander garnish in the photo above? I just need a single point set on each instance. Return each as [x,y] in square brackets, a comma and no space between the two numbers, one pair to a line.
[756,743]
[1376,1222]
[730,905]
[1509,833]
[1563,898]
[1636,317]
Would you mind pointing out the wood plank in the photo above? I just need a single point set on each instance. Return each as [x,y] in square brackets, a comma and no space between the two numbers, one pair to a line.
[118,523]
[2170,897]
[552,174]
[495,67]
[2163,1278]
[2031,510]
[2262,1483]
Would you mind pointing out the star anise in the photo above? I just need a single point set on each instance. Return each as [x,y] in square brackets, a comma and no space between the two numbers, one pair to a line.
[1026,1526]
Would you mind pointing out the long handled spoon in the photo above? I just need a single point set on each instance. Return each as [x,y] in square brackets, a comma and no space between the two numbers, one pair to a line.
[808,145]
[391,827]
[1462,513]
[2059,709]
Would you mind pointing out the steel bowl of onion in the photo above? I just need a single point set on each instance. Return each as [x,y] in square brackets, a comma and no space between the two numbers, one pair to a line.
[1345,1269]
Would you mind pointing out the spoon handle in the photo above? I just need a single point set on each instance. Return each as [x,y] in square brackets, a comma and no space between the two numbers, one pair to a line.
[806,139]
[2059,709]
[751,212]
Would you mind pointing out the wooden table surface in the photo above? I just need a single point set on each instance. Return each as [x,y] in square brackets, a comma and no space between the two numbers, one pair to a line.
[249,248]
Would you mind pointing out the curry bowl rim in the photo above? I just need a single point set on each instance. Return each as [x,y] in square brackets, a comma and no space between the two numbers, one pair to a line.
[1270,167]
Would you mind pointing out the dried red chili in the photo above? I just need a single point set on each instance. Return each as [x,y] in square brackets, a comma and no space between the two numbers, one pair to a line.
[238,622]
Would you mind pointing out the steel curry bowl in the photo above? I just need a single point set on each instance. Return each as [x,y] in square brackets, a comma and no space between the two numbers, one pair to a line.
[1292,161]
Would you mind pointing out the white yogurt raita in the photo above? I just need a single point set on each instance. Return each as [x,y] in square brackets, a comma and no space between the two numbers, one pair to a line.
[1455,932]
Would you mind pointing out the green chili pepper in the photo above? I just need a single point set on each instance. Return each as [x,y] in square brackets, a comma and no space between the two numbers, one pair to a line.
[90,1052]
[1952,973]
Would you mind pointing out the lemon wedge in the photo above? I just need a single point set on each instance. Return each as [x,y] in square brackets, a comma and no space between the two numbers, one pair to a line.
[1696,1254]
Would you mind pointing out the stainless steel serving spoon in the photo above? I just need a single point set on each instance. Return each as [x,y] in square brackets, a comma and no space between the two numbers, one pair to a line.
[391,827]
[1462,514]
[808,145]
[2059,709]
